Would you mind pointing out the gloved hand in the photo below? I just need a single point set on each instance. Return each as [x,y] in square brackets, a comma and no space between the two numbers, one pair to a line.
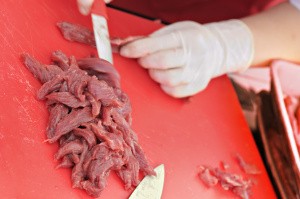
[85,6]
[184,56]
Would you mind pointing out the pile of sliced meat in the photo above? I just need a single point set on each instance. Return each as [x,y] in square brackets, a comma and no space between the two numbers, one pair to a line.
[90,118]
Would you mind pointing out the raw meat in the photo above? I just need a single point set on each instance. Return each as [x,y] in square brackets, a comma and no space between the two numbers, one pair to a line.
[77,33]
[90,118]
[81,34]
[246,167]
[228,181]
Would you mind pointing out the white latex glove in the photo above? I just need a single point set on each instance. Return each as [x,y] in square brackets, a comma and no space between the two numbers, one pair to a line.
[85,6]
[184,56]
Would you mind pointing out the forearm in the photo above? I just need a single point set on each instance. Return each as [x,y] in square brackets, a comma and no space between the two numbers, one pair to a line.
[276,34]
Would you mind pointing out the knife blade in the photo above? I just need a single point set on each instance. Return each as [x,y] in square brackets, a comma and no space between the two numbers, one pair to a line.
[99,20]
[151,186]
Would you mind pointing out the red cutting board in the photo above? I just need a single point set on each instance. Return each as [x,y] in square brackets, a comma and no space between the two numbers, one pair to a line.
[182,135]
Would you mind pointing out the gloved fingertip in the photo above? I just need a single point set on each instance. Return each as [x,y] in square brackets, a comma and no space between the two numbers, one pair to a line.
[84,6]
[124,52]
[168,90]
[83,10]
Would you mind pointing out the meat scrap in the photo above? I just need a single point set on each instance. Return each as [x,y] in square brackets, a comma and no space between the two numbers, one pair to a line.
[90,118]
[235,183]
[228,181]
[246,167]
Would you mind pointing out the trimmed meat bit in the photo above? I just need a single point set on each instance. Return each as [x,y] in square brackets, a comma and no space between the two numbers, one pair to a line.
[224,165]
[122,41]
[246,167]
[228,181]
[207,177]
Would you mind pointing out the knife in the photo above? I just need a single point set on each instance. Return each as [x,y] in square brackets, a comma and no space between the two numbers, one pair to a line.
[151,186]
[99,20]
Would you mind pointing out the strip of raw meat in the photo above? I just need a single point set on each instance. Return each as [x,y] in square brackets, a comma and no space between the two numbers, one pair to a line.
[113,141]
[53,85]
[42,72]
[91,189]
[77,33]
[66,139]
[129,173]
[140,156]
[96,105]
[67,99]
[99,151]
[78,173]
[87,134]
[101,91]
[128,135]
[75,147]
[77,81]
[125,110]
[57,112]
[71,121]
[102,69]
[59,58]
[73,62]
[74,157]
[81,34]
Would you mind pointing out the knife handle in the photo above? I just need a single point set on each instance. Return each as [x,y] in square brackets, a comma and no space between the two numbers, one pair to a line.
[99,8]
